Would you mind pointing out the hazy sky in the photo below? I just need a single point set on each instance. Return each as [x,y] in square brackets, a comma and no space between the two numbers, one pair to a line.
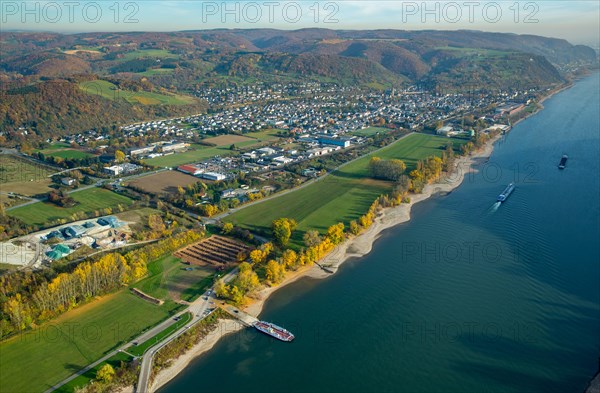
[577,21]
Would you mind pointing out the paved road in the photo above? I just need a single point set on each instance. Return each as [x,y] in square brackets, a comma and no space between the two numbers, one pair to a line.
[218,217]
[197,308]
[141,338]
[200,308]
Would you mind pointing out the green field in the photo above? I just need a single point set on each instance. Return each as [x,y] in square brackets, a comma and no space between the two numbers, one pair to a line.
[268,135]
[91,199]
[85,378]
[170,281]
[69,153]
[200,152]
[370,131]
[148,53]
[342,196]
[74,340]
[197,152]
[112,92]
[14,170]
[63,150]
[157,71]
[475,52]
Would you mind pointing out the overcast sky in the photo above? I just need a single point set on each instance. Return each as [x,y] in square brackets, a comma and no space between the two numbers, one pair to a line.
[576,21]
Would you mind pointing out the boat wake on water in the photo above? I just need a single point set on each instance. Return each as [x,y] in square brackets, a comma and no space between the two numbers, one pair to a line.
[494,207]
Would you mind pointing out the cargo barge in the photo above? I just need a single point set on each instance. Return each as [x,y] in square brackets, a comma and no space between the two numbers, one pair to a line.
[563,162]
[506,193]
[274,331]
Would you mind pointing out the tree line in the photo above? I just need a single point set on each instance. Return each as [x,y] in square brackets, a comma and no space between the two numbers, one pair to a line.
[36,298]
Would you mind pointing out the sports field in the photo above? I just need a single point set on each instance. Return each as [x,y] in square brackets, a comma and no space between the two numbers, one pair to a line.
[63,150]
[343,196]
[91,199]
[58,349]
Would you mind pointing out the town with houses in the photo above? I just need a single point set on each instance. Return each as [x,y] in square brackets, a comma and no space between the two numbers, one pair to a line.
[314,119]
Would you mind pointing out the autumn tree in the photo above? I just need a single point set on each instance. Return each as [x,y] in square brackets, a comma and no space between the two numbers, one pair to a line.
[311,238]
[221,290]
[282,230]
[289,259]
[155,222]
[247,279]
[257,256]
[335,233]
[119,156]
[236,295]
[227,228]
[386,169]
[105,374]
[354,227]
[274,271]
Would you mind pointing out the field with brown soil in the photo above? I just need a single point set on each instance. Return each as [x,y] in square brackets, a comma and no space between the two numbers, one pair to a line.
[216,250]
[224,140]
[165,182]
[23,177]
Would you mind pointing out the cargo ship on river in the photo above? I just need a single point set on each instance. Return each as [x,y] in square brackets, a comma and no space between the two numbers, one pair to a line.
[563,161]
[506,193]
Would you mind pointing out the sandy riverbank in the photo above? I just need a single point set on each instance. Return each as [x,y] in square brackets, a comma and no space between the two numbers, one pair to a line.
[223,328]
[356,246]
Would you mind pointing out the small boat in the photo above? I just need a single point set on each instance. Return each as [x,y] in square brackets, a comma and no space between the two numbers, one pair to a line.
[506,193]
[563,161]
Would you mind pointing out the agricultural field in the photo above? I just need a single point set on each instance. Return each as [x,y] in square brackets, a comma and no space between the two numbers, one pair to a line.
[89,200]
[214,251]
[157,71]
[112,92]
[170,281]
[195,153]
[148,53]
[228,140]
[23,177]
[165,182]
[74,340]
[63,150]
[198,152]
[268,135]
[343,196]
[370,131]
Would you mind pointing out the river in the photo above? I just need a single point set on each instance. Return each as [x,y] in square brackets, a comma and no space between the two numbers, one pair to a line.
[466,297]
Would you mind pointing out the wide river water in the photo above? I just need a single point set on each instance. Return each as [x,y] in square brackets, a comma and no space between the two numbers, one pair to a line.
[466,297]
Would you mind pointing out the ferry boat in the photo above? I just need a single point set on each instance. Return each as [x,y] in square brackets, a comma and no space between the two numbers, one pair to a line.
[506,193]
[274,331]
[563,161]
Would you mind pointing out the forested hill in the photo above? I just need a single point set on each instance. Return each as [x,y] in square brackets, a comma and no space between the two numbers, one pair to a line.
[53,84]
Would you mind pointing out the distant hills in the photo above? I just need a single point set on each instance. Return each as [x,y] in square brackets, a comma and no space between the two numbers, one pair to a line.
[142,75]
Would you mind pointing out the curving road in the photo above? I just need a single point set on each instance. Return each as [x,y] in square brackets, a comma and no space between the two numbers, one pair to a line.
[200,309]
